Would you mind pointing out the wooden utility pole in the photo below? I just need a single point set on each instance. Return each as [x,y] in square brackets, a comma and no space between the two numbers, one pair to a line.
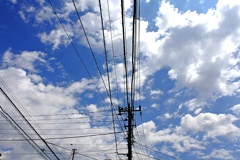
[73,153]
[130,132]
[130,111]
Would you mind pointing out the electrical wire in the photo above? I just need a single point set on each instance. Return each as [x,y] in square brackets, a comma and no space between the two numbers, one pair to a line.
[159,152]
[23,133]
[89,45]
[124,48]
[70,150]
[109,82]
[28,123]
[79,54]
[67,137]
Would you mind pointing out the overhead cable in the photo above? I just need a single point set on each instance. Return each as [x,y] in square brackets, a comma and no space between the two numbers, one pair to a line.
[23,133]
[16,108]
[108,76]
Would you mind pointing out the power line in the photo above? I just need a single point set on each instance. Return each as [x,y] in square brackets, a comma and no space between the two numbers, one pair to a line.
[23,133]
[28,123]
[79,54]
[19,103]
[70,150]
[109,82]
[124,48]
[146,155]
[158,151]
[94,57]
[80,58]
[68,137]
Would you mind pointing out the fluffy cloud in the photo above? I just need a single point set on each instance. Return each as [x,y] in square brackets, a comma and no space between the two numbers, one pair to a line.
[201,49]
[219,154]
[179,142]
[213,125]
[49,108]
[236,109]
[155,94]
[26,60]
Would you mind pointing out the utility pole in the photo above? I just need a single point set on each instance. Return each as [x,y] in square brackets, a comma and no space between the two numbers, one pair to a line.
[130,137]
[130,132]
[73,153]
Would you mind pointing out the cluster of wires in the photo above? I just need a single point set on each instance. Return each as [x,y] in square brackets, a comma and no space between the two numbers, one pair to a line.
[50,135]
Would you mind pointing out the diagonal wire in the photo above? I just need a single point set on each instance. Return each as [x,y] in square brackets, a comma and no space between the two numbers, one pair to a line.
[71,150]
[124,48]
[80,58]
[26,137]
[85,33]
[98,90]
[109,82]
[28,123]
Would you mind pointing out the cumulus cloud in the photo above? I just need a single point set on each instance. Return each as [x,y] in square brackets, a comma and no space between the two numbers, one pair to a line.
[49,108]
[213,125]
[179,142]
[236,109]
[25,60]
[220,154]
[55,38]
[155,105]
[155,94]
[199,49]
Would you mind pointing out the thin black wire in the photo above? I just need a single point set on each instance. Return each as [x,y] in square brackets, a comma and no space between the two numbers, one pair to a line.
[158,151]
[85,67]
[16,108]
[20,104]
[133,53]
[89,45]
[28,138]
[139,55]
[140,141]
[113,52]
[124,48]
[63,118]
[109,82]
[71,150]
[66,114]
[146,155]
[64,123]
[68,137]
[79,54]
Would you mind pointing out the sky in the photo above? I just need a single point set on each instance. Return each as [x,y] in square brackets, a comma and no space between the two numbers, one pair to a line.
[53,68]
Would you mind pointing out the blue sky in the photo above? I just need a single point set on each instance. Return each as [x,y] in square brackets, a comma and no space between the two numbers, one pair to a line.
[187,81]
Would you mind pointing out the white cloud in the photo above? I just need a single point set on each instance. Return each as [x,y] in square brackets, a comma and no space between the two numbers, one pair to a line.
[211,39]
[213,125]
[236,109]
[25,60]
[195,104]
[35,78]
[199,49]
[167,115]
[155,94]
[55,106]
[155,105]
[172,74]
[56,38]
[13,1]
[179,142]
[23,16]
[92,108]
[147,1]
[220,154]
